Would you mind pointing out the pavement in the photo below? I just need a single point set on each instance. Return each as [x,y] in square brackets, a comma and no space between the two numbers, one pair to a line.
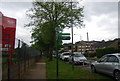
[37,71]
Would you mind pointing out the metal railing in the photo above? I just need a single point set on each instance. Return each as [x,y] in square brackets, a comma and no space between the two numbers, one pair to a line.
[23,57]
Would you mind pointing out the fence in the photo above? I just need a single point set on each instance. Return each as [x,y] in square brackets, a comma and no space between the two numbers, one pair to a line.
[23,57]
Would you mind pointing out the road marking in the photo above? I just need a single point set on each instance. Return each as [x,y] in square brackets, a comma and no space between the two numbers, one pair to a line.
[41,63]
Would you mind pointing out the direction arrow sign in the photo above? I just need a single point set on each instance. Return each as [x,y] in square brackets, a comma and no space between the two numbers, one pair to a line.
[63,33]
[64,37]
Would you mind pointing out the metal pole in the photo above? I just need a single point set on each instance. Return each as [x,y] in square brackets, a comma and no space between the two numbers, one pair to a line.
[72,38]
[81,43]
[9,58]
[57,74]
[88,45]
[87,37]
[18,59]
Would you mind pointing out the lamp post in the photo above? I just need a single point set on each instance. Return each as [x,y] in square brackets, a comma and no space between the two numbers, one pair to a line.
[72,36]
[81,42]
[80,36]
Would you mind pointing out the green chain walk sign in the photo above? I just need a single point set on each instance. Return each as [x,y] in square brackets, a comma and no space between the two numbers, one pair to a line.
[64,37]
[63,33]
[61,36]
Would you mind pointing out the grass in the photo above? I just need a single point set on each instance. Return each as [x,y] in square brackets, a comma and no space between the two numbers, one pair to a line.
[93,58]
[66,72]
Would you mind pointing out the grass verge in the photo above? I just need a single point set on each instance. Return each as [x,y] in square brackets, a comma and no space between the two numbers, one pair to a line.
[66,72]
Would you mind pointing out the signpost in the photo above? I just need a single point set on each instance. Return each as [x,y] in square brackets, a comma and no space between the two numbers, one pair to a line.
[63,33]
[63,36]
[60,36]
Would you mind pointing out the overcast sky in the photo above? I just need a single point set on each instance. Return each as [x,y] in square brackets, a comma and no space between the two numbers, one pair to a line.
[100,19]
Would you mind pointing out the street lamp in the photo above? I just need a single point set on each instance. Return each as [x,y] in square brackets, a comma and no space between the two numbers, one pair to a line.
[81,42]
[80,36]
[72,34]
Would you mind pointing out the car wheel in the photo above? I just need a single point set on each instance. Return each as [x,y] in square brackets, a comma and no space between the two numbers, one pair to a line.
[93,69]
[69,62]
[74,63]
[117,75]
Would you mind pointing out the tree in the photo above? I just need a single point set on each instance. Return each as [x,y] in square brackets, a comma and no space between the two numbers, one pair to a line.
[47,16]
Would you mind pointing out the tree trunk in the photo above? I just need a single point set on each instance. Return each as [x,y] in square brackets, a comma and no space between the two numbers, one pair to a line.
[51,51]
[50,55]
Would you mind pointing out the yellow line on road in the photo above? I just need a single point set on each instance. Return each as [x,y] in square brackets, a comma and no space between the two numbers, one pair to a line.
[41,63]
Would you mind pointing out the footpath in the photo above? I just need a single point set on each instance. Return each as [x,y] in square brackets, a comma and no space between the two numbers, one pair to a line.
[38,71]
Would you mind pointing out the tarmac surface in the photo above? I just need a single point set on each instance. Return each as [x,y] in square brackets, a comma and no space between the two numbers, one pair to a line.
[38,71]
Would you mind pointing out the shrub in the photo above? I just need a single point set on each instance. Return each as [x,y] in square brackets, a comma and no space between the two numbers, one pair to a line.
[90,54]
[103,51]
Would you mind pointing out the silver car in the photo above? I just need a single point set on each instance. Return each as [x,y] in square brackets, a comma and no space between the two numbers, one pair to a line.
[65,56]
[77,58]
[108,64]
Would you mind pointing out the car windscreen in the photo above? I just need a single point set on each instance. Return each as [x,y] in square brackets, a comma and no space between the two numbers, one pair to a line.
[66,54]
[118,55]
[78,55]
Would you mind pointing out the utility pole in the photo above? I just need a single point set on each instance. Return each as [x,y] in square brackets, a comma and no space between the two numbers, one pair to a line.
[88,44]
[80,42]
[87,37]
[72,36]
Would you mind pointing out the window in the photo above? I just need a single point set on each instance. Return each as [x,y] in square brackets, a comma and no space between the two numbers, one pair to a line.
[7,45]
[78,55]
[112,58]
[66,54]
[103,59]
[118,55]
[5,49]
[0,49]
[0,45]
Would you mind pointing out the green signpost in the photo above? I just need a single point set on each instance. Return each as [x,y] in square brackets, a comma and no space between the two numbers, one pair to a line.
[63,36]
[63,33]
[60,36]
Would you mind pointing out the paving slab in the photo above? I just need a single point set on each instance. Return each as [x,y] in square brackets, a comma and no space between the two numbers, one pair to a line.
[38,71]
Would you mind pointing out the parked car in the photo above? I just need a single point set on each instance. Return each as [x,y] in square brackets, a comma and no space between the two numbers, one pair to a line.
[77,58]
[108,64]
[54,55]
[65,56]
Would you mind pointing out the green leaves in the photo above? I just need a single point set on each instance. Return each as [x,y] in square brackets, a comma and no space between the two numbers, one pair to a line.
[47,16]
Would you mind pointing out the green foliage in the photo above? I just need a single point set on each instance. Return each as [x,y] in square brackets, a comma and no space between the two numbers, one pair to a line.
[46,17]
[103,51]
[90,54]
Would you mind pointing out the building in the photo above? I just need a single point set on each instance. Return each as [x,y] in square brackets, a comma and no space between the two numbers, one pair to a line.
[91,46]
[68,47]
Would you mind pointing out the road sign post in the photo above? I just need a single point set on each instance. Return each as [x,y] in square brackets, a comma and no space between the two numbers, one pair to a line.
[64,37]
[63,33]
[60,36]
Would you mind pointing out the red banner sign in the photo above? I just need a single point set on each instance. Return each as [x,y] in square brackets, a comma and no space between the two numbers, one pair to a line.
[8,28]
[9,22]
[1,15]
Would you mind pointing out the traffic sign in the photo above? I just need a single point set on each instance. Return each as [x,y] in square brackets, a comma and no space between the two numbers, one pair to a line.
[63,33]
[64,37]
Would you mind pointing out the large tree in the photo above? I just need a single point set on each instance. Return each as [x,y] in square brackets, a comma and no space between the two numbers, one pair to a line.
[46,17]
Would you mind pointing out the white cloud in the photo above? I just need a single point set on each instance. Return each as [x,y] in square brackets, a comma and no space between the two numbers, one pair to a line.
[18,10]
[101,19]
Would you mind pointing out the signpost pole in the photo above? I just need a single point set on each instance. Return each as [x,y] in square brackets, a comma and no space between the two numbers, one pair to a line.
[57,75]
[59,36]
[72,37]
